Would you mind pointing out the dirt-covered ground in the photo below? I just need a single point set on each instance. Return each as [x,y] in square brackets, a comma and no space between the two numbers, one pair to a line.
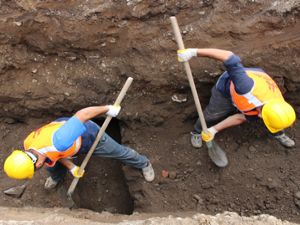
[59,56]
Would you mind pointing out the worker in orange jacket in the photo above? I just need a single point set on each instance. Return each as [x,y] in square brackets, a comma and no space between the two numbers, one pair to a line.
[55,143]
[241,94]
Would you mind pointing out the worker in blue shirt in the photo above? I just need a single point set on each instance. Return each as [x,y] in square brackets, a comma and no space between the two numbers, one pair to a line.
[55,143]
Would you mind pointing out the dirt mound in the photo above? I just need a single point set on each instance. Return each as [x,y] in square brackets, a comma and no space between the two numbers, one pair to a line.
[45,217]
[59,56]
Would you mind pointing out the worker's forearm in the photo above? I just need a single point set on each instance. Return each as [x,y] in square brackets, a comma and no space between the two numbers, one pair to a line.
[230,121]
[90,112]
[67,163]
[214,53]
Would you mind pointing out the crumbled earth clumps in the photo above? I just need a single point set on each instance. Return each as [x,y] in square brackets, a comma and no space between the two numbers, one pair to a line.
[60,56]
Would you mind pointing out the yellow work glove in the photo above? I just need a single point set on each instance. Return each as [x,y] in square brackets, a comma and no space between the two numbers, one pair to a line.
[185,55]
[209,136]
[113,110]
[75,172]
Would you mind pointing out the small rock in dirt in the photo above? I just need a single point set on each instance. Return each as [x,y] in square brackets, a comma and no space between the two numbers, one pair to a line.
[34,71]
[179,98]
[172,174]
[252,149]
[297,202]
[297,195]
[164,173]
[18,23]
[273,183]
[9,120]
[71,58]
[198,198]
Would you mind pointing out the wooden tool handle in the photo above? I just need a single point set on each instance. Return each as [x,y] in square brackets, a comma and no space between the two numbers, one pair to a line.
[188,72]
[99,136]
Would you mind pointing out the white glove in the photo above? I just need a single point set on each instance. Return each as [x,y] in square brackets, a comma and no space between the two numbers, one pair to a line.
[185,55]
[75,172]
[113,110]
[209,136]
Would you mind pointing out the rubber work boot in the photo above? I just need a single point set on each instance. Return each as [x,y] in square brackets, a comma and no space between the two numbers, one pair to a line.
[285,140]
[148,172]
[196,140]
[50,183]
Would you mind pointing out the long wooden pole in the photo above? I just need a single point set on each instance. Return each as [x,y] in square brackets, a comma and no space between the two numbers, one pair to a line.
[99,136]
[187,67]
[217,155]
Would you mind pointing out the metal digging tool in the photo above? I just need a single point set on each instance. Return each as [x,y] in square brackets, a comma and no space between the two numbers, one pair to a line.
[16,191]
[216,154]
[99,135]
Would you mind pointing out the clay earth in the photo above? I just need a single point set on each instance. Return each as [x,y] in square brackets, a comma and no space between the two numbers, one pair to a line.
[60,56]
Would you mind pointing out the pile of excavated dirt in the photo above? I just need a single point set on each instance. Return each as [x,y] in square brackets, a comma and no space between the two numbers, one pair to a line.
[60,56]
[32,216]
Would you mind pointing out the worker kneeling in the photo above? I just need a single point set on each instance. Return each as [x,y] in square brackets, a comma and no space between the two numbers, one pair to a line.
[241,94]
[55,143]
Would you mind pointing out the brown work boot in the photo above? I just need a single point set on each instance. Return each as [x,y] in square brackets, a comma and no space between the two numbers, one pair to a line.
[285,140]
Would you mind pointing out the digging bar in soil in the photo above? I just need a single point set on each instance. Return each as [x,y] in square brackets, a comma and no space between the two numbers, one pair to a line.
[17,191]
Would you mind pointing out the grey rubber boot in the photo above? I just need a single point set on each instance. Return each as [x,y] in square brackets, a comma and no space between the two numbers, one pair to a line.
[148,173]
[285,140]
[50,183]
[196,140]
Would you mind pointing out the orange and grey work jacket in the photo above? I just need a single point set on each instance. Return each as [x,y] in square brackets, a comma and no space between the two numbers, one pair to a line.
[41,140]
[264,89]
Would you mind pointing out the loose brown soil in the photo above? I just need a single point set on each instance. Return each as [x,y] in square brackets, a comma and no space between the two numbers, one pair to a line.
[60,56]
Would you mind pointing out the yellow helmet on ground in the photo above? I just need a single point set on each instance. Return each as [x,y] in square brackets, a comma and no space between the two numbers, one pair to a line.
[19,165]
[278,115]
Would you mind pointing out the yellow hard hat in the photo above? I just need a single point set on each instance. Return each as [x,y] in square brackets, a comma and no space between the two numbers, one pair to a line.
[19,165]
[277,115]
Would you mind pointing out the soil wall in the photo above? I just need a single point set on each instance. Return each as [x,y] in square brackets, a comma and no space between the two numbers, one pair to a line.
[60,56]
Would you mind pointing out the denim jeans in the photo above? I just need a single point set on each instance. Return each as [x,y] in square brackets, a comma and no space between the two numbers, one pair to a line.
[218,109]
[107,147]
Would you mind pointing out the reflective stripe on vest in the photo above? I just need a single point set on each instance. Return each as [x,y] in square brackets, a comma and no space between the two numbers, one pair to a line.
[41,140]
[264,89]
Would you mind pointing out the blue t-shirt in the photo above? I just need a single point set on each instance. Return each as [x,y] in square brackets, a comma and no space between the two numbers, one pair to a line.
[67,134]
[236,73]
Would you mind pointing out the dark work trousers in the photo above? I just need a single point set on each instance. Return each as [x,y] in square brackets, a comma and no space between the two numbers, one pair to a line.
[218,109]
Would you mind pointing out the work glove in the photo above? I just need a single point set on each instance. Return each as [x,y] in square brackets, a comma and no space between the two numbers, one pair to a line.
[209,136]
[113,110]
[75,172]
[185,55]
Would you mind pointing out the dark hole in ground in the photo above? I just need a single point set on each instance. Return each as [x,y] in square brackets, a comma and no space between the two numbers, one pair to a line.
[103,188]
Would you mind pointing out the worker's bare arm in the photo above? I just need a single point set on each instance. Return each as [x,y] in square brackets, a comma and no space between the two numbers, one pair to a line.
[214,53]
[88,113]
[230,121]
[67,163]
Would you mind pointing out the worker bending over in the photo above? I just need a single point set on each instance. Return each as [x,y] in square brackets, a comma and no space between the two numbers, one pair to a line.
[55,143]
[241,94]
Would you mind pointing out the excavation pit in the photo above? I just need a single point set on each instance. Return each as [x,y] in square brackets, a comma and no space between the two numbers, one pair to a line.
[103,187]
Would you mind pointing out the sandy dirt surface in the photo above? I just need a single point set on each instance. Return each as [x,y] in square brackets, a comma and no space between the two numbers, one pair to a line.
[59,56]
[32,216]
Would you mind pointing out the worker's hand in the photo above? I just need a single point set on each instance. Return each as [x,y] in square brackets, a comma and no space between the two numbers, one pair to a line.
[185,55]
[75,172]
[113,110]
[209,136]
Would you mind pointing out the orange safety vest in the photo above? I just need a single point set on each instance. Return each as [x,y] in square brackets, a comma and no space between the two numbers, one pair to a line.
[41,140]
[263,90]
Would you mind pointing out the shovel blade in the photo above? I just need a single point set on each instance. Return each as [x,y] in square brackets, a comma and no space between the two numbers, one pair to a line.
[216,154]
[16,191]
